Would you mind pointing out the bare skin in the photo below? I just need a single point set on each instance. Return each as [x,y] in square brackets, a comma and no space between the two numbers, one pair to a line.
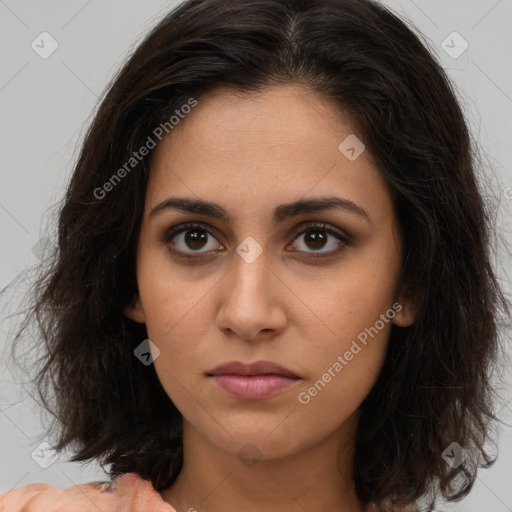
[249,154]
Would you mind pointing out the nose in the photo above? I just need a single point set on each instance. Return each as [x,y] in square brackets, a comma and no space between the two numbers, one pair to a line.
[252,300]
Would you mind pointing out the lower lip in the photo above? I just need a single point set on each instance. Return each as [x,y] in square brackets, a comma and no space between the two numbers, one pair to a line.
[253,387]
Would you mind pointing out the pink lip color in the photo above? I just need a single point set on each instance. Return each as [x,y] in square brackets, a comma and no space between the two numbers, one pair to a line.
[253,387]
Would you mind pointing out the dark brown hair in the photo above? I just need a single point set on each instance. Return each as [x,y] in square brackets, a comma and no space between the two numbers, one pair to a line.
[434,387]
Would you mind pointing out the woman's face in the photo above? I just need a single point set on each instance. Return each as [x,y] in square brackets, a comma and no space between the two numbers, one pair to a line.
[247,286]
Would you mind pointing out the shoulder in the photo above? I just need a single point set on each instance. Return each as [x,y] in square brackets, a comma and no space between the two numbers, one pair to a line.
[125,494]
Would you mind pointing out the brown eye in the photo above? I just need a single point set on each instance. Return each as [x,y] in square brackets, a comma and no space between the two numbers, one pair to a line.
[316,237]
[196,238]
[189,240]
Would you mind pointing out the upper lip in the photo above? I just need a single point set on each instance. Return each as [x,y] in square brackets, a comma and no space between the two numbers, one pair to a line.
[255,368]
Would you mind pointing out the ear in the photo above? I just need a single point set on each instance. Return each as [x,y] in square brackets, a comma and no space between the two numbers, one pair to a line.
[405,310]
[134,310]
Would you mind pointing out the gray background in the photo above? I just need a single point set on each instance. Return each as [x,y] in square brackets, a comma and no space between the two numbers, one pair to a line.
[45,105]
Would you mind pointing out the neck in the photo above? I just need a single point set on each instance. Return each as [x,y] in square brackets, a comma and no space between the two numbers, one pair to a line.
[319,477]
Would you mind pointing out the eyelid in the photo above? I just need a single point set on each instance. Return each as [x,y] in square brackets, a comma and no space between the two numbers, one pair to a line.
[179,228]
[329,228]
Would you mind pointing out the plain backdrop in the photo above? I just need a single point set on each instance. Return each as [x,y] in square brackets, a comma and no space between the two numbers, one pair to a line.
[46,104]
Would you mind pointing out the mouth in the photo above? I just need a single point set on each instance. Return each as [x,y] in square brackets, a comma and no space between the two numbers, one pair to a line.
[254,381]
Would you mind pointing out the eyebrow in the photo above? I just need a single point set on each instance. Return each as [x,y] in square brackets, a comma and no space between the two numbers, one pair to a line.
[280,214]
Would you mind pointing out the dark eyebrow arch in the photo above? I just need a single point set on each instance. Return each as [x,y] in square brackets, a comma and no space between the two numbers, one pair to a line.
[281,212]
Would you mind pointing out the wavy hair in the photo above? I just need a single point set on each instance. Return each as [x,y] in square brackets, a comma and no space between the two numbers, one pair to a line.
[435,385]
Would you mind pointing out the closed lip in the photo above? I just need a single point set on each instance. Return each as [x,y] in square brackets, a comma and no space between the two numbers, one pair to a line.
[255,368]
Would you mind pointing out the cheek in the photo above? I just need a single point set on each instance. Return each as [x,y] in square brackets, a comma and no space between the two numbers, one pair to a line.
[352,302]
[346,355]
[343,372]
[178,333]
[170,298]
[178,317]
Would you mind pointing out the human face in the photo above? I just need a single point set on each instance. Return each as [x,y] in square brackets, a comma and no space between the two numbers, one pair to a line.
[301,302]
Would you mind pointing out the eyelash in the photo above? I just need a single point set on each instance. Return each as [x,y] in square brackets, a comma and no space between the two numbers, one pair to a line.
[176,230]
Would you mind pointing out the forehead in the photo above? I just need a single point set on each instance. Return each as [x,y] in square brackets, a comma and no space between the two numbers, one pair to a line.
[261,149]
[238,121]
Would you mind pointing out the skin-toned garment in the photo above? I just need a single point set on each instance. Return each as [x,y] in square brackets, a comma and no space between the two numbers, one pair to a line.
[128,493]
